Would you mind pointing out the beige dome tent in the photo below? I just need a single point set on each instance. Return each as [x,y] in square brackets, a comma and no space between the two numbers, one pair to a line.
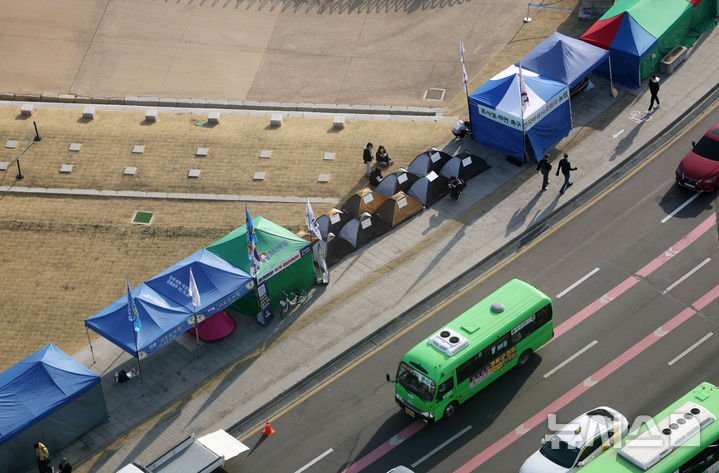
[397,209]
[365,200]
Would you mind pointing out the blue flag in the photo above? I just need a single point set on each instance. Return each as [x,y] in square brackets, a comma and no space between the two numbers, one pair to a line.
[252,253]
[132,310]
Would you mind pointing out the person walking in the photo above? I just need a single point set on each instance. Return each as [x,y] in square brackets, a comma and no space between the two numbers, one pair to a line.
[367,157]
[654,89]
[43,457]
[565,167]
[64,466]
[545,166]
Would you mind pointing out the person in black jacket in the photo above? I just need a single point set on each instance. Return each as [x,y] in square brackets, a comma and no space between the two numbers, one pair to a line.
[383,159]
[455,185]
[654,89]
[545,166]
[367,158]
[565,167]
[375,177]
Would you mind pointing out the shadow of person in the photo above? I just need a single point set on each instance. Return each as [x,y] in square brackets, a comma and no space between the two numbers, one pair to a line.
[627,141]
[520,215]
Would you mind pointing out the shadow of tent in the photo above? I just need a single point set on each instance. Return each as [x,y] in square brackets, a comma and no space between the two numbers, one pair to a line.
[430,160]
[429,189]
[332,222]
[399,180]
[364,200]
[397,209]
[465,166]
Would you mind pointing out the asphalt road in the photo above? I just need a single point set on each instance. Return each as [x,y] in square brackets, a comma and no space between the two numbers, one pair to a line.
[642,283]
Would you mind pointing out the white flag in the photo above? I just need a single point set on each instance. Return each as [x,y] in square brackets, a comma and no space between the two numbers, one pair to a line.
[311,221]
[523,96]
[464,71]
[194,293]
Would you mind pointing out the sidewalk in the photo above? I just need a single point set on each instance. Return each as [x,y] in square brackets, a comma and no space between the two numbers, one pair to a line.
[217,385]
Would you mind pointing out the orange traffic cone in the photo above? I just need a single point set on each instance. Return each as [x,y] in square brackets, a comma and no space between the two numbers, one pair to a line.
[268,429]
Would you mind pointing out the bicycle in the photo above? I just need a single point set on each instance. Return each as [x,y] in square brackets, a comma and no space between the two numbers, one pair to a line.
[292,299]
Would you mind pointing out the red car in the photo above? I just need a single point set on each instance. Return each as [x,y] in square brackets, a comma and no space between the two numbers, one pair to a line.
[699,170]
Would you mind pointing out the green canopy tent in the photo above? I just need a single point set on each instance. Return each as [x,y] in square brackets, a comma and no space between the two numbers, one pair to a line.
[286,260]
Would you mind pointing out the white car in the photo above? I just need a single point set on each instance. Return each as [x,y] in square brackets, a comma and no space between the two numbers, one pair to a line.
[578,443]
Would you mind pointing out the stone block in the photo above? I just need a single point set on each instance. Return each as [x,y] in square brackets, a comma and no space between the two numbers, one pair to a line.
[193,173]
[11,144]
[66,168]
[183,102]
[88,112]
[398,110]
[166,102]
[216,103]
[130,100]
[420,111]
[116,101]
[268,106]
[258,176]
[361,109]
[251,105]
[266,154]
[236,104]
[380,109]
[323,178]
[151,115]
[276,119]
[213,118]
[49,97]
[138,149]
[7,96]
[4,166]
[130,171]
[75,147]
[326,107]
[306,107]
[66,98]
[100,100]
[148,101]
[289,106]
[202,152]
[27,97]
[82,99]
[338,122]
[328,157]
[198,103]
[27,109]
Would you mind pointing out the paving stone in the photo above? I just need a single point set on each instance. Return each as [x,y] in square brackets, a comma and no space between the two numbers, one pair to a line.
[251,104]
[66,168]
[236,104]
[202,152]
[266,154]
[100,100]
[150,101]
[75,147]
[216,103]
[27,109]
[258,176]
[4,166]
[116,101]
[131,100]
[11,144]
[198,103]
[167,102]
[328,157]
[130,171]
[306,107]
[193,173]
[183,102]
[290,106]
[7,96]
[323,178]
[49,97]
[138,149]
[66,98]
[268,106]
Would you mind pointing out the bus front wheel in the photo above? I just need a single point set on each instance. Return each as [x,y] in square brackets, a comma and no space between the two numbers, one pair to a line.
[450,409]
[524,357]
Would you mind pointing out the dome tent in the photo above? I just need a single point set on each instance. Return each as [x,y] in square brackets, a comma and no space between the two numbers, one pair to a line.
[430,160]
[464,166]
[429,189]
[365,200]
[355,234]
[397,209]
[397,181]
[332,222]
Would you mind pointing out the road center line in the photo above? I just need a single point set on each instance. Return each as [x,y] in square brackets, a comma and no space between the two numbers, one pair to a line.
[444,444]
[678,209]
[590,274]
[696,344]
[561,365]
[681,279]
[588,383]
[314,461]
[380,451]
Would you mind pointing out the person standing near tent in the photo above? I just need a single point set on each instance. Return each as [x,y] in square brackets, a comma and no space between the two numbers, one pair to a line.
[43,457]
[455,185]
[367,158]
[565,167]
[375,177]
[654,89]
[545,166]
[64,466]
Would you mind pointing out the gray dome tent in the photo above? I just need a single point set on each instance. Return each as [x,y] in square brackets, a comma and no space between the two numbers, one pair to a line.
[430,160]
[399,180]
[354,234]
[465,166]
[332,222]
[429,189]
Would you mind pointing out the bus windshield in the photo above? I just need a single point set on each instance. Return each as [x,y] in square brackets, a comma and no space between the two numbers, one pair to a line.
[415,383]
[559,452]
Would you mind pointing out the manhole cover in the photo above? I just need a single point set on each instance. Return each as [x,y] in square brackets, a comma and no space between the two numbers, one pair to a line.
[434,94]
[142,218]
[148,229]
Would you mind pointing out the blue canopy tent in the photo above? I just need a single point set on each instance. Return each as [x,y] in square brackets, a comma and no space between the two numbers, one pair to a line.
[564,59]
[162,320]
[48,397]
[218,282]
[500,121]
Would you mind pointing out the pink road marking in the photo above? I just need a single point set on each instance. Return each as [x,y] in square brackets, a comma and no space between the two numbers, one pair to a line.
[628,283]
[673,250]
[589,382]
[383,449]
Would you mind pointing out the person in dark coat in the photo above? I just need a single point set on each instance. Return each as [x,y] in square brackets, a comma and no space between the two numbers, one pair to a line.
[654,89]
[375,177]
[545,166]
[64,466]
[565,167]
[455,185]
[383,159]
[367,158]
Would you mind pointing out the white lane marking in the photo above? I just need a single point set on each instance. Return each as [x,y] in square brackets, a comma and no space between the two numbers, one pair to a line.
[314,461]
[591,273]
[681,279]
[616,135]
[681,355]
[561,365]
[444,444]
[689,201]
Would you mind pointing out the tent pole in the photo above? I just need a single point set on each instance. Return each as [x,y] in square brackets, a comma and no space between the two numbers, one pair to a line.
[89,342]
[139,368]
[197,331]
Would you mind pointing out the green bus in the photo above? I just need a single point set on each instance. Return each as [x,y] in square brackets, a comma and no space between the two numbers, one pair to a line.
[683,438]
[477,347]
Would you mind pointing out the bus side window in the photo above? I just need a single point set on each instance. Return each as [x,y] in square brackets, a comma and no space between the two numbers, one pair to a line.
[444,388]
[544,315]
[469,367]
[499,346]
